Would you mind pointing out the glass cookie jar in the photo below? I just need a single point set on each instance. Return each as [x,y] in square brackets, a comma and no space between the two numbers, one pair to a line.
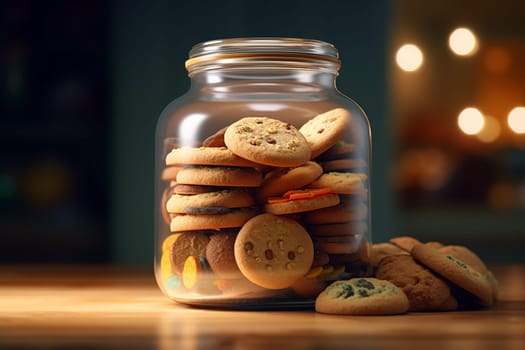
[262,177]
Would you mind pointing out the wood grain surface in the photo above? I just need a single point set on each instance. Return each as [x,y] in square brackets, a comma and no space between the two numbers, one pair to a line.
[85,307]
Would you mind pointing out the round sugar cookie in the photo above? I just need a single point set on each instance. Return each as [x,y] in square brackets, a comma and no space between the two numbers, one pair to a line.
[279,180]
[219,176]
[342,183]
[228,198]
[325,130]
[192,222]
[267,141]
[219,156]
[273,252]
[302,205]
[340,150]
[362,296]
[456,271]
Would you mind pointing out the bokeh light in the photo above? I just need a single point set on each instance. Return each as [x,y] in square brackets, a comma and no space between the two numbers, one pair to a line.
[409,57]
[471,121]
[516,120]
[463,42]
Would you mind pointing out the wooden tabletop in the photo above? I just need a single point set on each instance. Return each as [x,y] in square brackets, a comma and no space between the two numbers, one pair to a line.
[117,308]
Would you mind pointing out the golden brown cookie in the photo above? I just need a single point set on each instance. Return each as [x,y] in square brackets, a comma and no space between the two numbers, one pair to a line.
[302,205]
[221,257]
[325,130]
[381,250]
[273,251]
[425,290]
[228,198]
[341,229]
[455,271]
[219,156]
[341,213]
[279,180]
[362,296]
[342,183]
[404,242]
[347,164]
[219,176]
[192,222]
[215,140]
[466,255]
[267,141]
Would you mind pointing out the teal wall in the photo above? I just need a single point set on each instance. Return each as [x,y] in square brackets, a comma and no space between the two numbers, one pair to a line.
[149,44]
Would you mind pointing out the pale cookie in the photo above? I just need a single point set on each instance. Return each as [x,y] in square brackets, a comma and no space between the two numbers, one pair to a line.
[219,176]
[273,252]
[382,250]
[342,183]
[191,222]
[455,271]
[279,180]
[234,198]
[267,141]
[302,205]
[425,290]
[362,296]
[219,156]
[170,173]
[324,130]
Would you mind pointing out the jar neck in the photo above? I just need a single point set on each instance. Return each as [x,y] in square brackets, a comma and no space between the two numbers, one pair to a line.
[293,79]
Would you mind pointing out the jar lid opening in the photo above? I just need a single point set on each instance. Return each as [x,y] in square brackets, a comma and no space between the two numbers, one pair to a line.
[233,50]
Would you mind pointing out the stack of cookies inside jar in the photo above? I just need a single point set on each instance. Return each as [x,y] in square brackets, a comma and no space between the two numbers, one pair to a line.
[263,208]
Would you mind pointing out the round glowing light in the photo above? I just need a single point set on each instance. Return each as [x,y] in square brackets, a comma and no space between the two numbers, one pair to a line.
[409,57]
[463,42]
[490,131]
[516,120]
[471,121]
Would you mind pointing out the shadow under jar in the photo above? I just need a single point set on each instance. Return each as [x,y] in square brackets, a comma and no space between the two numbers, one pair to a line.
[262,169]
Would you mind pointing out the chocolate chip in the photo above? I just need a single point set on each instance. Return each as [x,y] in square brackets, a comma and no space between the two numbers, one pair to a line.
[346,291]
[365,284]
[288,126]
[320,131]
[291,255]
[362,293]
[248,246]
[268,254]
[271,140]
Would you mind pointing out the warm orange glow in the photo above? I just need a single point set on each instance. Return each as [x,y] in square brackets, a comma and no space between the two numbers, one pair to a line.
[490,131]
[463,42]
[471,121]
[409,57]
[516,120]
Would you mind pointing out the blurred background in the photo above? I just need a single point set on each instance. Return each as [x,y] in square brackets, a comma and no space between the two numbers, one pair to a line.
[83,82]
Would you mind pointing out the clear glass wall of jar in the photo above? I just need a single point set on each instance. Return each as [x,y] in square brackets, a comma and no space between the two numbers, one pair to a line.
[262,177]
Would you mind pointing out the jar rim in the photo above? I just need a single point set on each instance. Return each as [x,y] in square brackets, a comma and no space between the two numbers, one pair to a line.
[279,49]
